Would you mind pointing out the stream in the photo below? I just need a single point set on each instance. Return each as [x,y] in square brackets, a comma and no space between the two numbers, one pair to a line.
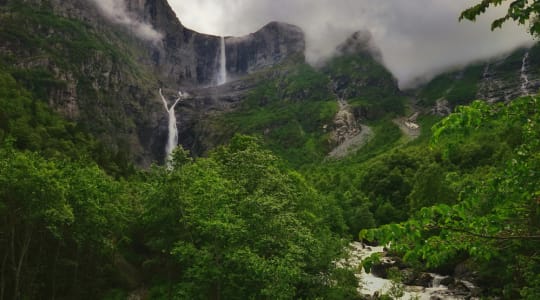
[371,285]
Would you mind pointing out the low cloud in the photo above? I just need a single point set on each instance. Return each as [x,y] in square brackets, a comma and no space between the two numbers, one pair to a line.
[117,12]
[417,38]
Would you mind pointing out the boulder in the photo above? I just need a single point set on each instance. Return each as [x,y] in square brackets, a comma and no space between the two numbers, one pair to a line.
[410,277]
[447,281]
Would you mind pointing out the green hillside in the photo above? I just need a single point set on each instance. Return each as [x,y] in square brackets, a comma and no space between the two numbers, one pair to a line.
[92,77]
[265,213]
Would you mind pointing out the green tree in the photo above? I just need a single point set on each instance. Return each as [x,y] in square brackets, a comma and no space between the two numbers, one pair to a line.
[496,220]
[60,224]
[238,225]
[521,11]
[33,203]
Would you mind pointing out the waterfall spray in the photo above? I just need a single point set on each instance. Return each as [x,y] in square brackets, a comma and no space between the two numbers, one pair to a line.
[523,76]
[222,76]
[172,140]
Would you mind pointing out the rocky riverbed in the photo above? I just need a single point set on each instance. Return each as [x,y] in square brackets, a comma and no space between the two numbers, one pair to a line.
[412,285]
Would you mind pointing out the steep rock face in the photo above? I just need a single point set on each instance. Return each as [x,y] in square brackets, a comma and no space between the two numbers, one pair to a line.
[188,58]
[270,45]
[207,103]
[510,77]
[498,79]
[181,56]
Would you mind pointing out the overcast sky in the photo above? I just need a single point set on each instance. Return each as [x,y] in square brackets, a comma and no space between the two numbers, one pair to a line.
[416,37]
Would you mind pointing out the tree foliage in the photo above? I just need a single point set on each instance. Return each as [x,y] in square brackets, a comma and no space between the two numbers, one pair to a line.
[60,223]
[497,219]
[522,11]
[240,226]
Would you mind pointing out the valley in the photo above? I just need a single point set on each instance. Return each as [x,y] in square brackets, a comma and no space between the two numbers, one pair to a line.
[140,159]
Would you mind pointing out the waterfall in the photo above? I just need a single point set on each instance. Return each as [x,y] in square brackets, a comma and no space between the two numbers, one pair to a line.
[172,140]
[222,75]
[523,76]
[485,75]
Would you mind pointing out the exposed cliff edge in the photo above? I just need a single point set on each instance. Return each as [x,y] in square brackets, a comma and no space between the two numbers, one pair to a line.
[268,46]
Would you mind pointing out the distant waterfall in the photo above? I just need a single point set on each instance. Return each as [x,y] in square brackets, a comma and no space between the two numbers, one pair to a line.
[172,140]
[485,75]
[222,75]
[523,76]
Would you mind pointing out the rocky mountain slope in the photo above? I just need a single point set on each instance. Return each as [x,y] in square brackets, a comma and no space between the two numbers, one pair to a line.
[104,71]
[498,79]
[296,108]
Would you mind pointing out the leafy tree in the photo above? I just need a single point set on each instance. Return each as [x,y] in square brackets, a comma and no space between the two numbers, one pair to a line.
[60,223]
[33,203]
[496,221]
[238,225]
[521,11]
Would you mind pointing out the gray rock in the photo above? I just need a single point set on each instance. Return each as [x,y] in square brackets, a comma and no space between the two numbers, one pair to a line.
[447,281]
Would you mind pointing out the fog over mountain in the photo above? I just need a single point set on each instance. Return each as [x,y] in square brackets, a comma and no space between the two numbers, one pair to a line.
[417,38]
[116,11]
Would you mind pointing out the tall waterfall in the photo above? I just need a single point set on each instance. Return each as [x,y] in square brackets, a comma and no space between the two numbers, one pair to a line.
[222,75]
[523,76]
[172,140]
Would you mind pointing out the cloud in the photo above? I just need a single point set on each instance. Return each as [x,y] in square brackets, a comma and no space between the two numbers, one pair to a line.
[417,38]
[117,12]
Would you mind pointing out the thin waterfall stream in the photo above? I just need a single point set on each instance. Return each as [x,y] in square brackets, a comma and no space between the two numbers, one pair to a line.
[523,75]
[222,74]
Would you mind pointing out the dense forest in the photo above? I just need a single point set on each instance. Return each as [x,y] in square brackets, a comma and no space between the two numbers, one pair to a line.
[265,213]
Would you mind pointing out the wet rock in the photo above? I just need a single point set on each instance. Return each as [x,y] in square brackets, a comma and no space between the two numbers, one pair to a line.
[448,281]
[424,279]
[410,277]
[370,243]
[381,269]
[459,288]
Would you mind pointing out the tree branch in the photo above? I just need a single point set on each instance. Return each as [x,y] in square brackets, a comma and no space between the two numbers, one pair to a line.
[485,236]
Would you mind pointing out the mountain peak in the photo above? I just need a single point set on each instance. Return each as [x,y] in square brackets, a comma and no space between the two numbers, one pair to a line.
[268,46]
[282,26]
[360,42]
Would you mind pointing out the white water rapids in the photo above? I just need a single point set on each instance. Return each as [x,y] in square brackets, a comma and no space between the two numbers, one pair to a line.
[172,139]
[372,285]
[222,75]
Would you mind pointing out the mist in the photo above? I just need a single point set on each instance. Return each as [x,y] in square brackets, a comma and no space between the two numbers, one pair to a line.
[417,38]
[116,11]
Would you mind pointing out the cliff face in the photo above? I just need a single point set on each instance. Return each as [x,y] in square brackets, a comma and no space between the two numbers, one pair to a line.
[506,78]
[496,80]
[187,58]
[191,58]
[104,68]
[268,46]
